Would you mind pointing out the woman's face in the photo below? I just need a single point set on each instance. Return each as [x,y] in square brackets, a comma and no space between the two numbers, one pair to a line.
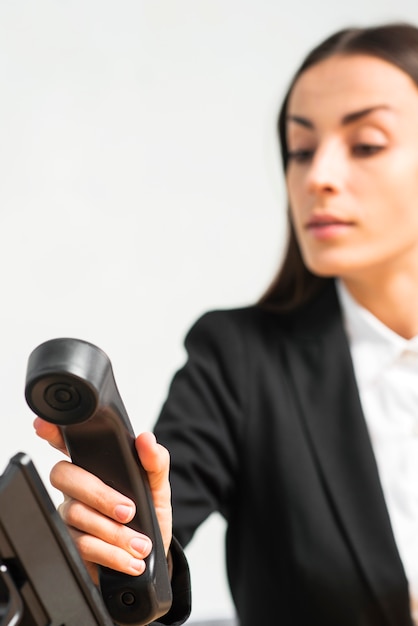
[352,177]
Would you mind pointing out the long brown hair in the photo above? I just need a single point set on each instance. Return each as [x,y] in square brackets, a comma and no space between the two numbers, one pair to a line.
[396,43]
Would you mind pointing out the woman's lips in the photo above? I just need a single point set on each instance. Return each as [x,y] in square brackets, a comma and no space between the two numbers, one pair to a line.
[327,226]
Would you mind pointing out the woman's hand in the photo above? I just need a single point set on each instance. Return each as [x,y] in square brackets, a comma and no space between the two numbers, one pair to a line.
[97,515]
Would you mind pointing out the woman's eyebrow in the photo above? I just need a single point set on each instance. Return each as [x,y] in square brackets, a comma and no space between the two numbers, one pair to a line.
[303,121]
[345,120]
[356,115]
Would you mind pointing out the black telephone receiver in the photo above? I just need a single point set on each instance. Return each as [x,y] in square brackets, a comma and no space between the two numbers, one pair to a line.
[70,382]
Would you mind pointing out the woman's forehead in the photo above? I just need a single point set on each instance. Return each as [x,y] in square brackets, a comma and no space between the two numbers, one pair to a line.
[345,82]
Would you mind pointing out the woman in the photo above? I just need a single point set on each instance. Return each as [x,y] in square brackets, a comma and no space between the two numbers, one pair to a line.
[296,417]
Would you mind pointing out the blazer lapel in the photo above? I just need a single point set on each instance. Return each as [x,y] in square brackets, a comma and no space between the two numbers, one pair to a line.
[335,425]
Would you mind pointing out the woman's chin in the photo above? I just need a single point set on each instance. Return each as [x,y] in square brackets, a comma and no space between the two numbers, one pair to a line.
[327,267]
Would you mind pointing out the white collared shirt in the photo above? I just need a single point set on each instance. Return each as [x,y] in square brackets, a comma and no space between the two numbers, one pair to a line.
[386,369]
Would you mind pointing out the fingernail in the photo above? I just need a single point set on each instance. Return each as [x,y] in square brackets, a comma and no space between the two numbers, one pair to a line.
[124,512]
[140,545]
[137,566]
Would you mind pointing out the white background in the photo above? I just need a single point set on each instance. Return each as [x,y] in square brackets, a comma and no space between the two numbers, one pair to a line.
[140,185]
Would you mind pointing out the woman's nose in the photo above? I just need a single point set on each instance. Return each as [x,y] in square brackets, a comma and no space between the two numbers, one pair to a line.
[327,170]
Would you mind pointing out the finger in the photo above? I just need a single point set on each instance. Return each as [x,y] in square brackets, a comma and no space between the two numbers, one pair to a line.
[86,520]
[51,433]
[156,461]
[154,457]
[80,485]
[96,551]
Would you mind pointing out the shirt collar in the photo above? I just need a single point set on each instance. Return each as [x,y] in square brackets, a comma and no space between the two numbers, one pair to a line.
[374,346]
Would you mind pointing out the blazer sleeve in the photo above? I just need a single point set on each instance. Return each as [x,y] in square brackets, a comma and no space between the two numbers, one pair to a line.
[200,423]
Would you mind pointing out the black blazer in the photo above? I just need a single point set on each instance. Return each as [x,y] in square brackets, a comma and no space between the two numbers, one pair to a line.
[264,424]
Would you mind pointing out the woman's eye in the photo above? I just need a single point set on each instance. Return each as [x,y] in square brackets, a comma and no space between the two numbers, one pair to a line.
[300,155]
[366,149]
